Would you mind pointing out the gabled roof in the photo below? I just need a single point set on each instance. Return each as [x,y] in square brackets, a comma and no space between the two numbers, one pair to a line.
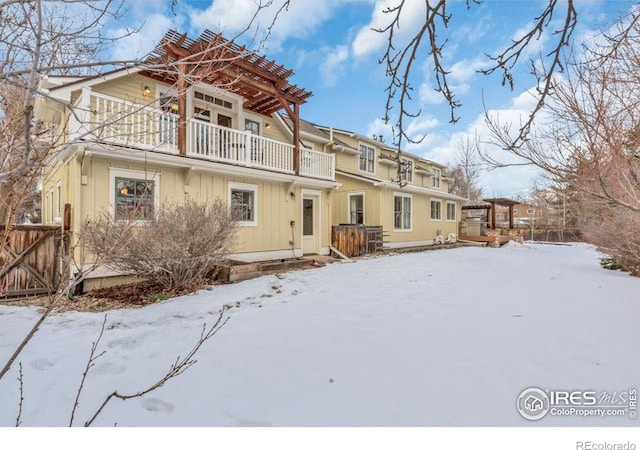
[312,129]
[213,59]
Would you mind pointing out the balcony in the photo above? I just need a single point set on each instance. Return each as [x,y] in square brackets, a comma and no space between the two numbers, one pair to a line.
[119,122]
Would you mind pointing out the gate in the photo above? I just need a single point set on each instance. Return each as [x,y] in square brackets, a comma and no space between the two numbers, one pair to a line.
[30,260]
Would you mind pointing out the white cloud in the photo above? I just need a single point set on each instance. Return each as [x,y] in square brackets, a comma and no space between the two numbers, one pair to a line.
[509,181]
[139,44]
[368,41]
[428,95]
[332,66]
[300,19]
[378,127]
[420,125]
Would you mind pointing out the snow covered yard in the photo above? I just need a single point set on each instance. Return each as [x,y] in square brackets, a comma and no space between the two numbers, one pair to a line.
[436,338]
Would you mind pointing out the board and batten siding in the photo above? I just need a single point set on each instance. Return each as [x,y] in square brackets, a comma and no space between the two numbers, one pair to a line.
[340,201]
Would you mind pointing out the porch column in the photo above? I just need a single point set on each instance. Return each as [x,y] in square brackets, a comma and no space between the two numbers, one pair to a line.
[493,216]
[182,111]
[511,217]
[296,139]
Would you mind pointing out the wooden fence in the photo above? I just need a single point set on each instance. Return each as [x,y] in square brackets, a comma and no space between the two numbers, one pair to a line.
[30,260]
[357,240]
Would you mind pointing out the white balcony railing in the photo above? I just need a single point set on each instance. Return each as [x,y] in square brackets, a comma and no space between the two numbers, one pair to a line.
[131,124]
[216,143]
[109,119]
[317,164]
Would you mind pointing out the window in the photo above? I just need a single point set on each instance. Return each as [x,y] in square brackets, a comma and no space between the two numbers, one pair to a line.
[213,100]
[356,208]
[225,121]
[367,158]
[436,178]
[252,126]
[436,210]
[402,212]
[451,211]
[133,194]
[406,170]
[243,201]
[134,199]
[531,211]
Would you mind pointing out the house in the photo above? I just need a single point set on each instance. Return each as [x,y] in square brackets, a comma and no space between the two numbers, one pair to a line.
[413,205]
[199,118]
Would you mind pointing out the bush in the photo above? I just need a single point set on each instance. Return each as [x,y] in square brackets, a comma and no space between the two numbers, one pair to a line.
[181,248]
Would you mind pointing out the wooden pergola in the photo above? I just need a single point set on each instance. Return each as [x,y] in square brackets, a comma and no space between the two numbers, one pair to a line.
[215,60]
[490,207]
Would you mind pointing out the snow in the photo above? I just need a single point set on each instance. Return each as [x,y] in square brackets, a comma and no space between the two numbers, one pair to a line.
[436,338]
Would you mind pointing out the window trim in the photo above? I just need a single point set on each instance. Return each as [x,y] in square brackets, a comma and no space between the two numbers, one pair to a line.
[373,159]
[431,201]
[353,194]
[410,197]
[51,218]
[59,200]
[135,175]
[233,186]
[455,211]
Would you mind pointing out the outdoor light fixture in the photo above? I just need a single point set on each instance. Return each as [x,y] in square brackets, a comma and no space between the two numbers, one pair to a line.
[267,126]
[146,91]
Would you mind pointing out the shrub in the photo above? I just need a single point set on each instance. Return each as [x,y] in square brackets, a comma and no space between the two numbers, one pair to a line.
[181,248]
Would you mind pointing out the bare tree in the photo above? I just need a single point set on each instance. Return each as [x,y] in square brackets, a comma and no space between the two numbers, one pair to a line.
[66,37]
[401,54]
[590,144]
[465,173]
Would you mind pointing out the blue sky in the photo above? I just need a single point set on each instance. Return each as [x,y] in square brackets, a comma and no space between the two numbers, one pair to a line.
[334,53]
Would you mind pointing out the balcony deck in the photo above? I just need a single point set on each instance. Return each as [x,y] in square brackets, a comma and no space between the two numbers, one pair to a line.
[120,122]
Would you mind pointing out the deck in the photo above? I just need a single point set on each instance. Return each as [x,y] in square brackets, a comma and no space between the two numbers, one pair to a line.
[487,240]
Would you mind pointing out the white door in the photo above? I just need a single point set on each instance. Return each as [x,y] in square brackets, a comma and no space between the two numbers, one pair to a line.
[310,226]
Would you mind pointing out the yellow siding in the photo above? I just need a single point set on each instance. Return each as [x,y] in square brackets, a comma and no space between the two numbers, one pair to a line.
[347,162]
[275,207]
[129,88]
[422,227]
[340,201]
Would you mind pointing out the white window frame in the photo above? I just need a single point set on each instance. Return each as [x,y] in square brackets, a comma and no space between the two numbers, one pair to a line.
[354,194]
[367,160]
[431,202]
[59,198]
[435,181]
[136,175]
[455,211]
[233,186]
[403,229]
[51,218]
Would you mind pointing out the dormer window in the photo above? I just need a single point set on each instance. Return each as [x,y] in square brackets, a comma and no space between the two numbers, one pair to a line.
[367,158]
[437,173]
[406,170]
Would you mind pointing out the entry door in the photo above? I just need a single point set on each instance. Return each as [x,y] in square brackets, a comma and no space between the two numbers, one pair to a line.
[310,226]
